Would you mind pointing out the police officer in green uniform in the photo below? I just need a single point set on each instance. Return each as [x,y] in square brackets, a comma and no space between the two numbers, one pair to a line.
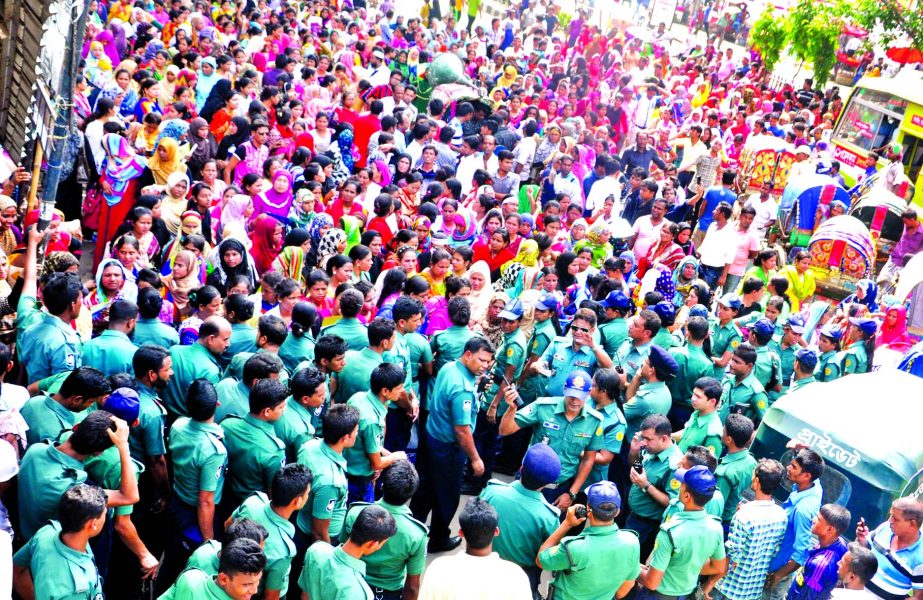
[577,351]
[111,351]
[691,365]
[569,426]
[648,393]
[604,396]
[786,346]
[271,334]
[421,361]
[296,425]
[698,455]
[531,383]
[523,514]
[768,366]
[396,569]
[735,470]
[603,561]
[725,335]
[330,360]
[331,573]
[322,516]
[742,393]
[206,556]
[667,313]
[153,368]
[240,569]
[196,361]
[408,316]
[200,461]
[289,492]
[614,331]
[49,345]
[630,356]
[299,344]
[858,357]
[357,372]
[57,561]
[805,367]
[653,486]
[368,454]
[239,311]
[49,416]
[447,345]
[150,329]
[507,368]
[704,426]
[235,394]
[255,454]
[349,327]
[690,545]
[828,365]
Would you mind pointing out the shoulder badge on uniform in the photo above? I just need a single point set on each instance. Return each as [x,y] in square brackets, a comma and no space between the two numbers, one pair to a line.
[509,352]
[674,483]
[331,504]
[761,404]
[599,430]
[827,370]
[620,436]
[735,343]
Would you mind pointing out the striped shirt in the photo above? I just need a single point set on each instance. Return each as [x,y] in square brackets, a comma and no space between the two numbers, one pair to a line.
[818,576]
[898,572]
[754,538]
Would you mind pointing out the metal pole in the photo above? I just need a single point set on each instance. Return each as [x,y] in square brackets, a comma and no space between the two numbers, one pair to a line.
[64,106]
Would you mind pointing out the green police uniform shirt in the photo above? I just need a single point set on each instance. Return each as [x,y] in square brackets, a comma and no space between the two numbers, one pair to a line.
[295,349]
[371,437]
[189,363]
[294,427]
[768,367]
[746,396]
[681,549]
[453,403]
[449,345]
[279,546]
[235,368]
[703,430]
[855,359]
[547,418]
[563,360]
[58,571]
[525,519]
[800,383]
[105,470]
[399,354]
[579,563]
[828,367]
[154,332]
[44,475]
[255,454]
[331,573]
[48,347]
[420,354]
[233,398]
[200,459]
[354,333]
[327,500]
[356,376]
[614,428]
[612,334]
[659,470]
[47,419]
[195,584]
[404,553]
[787,364]
[205,557]
[734,476]
[243,339]
[511,352]
[651,399]
[542,336]
[692,364]
[146,439]
[110,352]
[724,338]
[714,508]
[630,356]
[665,339]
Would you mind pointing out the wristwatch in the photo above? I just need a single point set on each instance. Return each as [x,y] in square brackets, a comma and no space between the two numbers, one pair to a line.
[572,495]
[646,488]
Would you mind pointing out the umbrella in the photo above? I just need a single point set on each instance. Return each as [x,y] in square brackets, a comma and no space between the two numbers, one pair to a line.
[905,56]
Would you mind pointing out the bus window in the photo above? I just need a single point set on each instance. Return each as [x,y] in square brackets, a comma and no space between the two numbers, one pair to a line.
[913,156]
[870,119]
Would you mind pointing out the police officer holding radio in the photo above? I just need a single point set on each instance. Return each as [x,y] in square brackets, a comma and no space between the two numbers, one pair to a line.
[569,426]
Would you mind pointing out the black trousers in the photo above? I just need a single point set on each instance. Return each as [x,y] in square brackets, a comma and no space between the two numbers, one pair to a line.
[440,486]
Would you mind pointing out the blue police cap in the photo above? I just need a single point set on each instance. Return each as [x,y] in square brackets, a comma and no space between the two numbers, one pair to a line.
[795,323]
[124,403]
[547,301]
[665,365]
[698,479]
[602,493]
[807,357]
[732,301]
[617,300]
[541,464]
[865,325]
[699,310]
[763,327]
[665,310]
[831,331]
[512,311]
[578,385]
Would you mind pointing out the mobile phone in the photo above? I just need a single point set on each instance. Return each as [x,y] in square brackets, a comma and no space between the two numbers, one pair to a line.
[698,180]
[637,465]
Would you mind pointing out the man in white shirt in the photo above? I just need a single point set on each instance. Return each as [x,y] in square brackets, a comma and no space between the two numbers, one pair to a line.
[717,250]
[564,181]
[479,573]
[470,161]
[377,72]
[603,188]
[647,228]
[693,148]
[766,210]
[525,149]
[856,569]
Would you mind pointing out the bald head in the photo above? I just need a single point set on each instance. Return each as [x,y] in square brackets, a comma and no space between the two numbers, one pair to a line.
[215,334]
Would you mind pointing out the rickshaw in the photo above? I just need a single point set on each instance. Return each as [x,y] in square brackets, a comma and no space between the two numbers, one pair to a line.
[760,162]
[880,211]
[801,200]
[848,62]
[842,252]
[858,424]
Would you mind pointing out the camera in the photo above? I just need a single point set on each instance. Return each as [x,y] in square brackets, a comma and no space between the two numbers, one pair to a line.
[620,369]
[580,512]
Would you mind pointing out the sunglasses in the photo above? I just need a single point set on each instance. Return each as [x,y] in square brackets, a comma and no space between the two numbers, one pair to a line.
[580,329]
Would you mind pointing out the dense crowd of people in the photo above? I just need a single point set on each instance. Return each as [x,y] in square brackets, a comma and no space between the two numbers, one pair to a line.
[329,300]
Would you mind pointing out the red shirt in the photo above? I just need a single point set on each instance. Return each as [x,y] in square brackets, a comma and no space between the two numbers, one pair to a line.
[363,128]
[380,225]
[494,262]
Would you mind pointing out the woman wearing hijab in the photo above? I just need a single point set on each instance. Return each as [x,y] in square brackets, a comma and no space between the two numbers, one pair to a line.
[866,295]
[119,171]
[191,224]
[217,99]
[523,272]
[10,234]
[233,261]
[174,201]
[267,243]
[238,133]
[291,261]
[490,325]
[204,147]
[235,217]
[893,332]
[183,279]
[207,78]
[466,229]
[277,200]
[597,240]
[321,224]
[685,275]
[165,162]
[112,283]
[333,243]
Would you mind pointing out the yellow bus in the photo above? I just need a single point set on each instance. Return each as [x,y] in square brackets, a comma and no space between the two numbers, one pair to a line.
[880,111]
